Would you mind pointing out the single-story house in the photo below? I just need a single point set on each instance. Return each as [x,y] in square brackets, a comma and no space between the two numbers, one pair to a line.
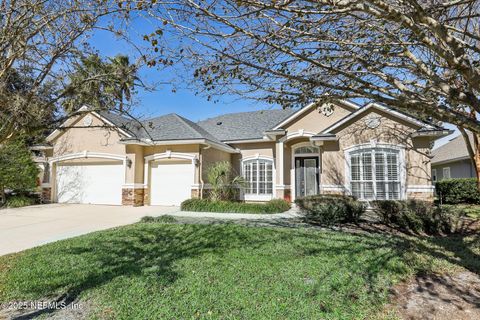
[371,152]
[451,160]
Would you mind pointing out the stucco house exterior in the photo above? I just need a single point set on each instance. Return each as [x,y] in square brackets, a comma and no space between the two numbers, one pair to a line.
[371,151]
[451,160]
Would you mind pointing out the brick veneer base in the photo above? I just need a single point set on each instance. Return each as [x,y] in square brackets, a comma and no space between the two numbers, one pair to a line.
[46,196]
[133,197]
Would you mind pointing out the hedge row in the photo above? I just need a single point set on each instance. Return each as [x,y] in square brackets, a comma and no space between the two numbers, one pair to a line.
[206,205]
[331,209]
[453,191]
[417,216]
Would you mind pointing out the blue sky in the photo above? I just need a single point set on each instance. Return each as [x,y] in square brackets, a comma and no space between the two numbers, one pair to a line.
[163,101]
[183,102]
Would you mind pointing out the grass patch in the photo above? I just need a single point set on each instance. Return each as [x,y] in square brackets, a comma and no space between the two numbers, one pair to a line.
[470,210]
[176,271]
[205,205]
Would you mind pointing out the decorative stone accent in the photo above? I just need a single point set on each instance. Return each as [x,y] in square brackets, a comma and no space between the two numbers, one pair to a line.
[195,193]
[133,197]
[46,196]
[146,198]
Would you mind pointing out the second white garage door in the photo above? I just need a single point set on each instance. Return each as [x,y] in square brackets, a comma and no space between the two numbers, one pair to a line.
[170,182]
[93,183]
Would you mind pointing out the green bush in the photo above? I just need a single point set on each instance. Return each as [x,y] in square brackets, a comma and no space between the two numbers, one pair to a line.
[160,219]
[17,201]
[331,209]
[417,216]
[206,205]
[453,191]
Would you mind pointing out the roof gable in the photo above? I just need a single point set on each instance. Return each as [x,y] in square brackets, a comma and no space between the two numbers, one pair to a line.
[309,108]
[81,114]
[417,124]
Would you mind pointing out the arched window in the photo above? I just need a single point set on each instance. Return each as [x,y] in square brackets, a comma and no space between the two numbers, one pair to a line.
[258,174]
[307,150]
[375,174]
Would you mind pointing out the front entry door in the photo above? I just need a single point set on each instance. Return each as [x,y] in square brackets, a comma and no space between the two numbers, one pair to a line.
[306,176]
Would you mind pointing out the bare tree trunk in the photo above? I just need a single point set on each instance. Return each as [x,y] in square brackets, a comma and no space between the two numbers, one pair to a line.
[473,151]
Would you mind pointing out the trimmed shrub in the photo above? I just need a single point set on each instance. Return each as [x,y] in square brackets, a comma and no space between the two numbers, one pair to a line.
[160,219]
[331,209]
[206,205]
[20,200]
[417,216]
[453,191]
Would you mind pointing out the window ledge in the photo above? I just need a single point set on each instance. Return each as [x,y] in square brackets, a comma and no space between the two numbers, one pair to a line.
[258,197]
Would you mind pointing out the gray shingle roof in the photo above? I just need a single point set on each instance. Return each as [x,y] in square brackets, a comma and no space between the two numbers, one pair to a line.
[452,150]
[244,125]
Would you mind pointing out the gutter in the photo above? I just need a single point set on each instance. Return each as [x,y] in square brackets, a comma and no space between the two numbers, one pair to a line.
[149,143]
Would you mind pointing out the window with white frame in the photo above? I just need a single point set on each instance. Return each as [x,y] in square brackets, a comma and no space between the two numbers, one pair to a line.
[258,175]
[434,175]
[375,174]
[446,173]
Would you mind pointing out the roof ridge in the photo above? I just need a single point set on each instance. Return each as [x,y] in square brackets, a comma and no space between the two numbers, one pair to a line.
[241,112]
[185,121]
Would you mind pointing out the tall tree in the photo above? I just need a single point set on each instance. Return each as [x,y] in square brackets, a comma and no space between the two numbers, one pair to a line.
[420,56]
[41,41]
[17,169]
[102,84]
[125,79]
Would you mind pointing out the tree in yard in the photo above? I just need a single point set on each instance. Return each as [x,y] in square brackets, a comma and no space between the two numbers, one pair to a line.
[223,181]
[17,169]
[422,57]
[41,42]
[102,84]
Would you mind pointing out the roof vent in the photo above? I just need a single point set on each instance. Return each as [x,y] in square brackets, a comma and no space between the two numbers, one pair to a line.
[219,123]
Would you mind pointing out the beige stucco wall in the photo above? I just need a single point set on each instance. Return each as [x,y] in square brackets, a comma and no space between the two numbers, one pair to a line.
[95,138]
[210,156]
[266,149]
[314,121]
[390,131]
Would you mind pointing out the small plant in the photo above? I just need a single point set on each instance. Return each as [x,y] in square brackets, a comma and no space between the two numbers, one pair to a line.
[331,209]
[225,184]
[160,219]
[17,201]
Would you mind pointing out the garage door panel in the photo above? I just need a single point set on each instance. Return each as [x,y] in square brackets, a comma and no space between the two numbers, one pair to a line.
[171,182]
[90,183]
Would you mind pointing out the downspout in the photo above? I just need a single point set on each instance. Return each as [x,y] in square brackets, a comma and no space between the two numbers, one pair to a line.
[200,173]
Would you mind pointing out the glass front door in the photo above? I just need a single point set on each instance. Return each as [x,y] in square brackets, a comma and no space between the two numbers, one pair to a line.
[306,176]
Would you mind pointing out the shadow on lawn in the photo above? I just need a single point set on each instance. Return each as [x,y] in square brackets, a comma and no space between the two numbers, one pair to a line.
[138,251]
[150,250]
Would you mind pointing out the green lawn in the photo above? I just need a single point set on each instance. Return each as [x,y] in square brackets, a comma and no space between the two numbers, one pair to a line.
[174,271]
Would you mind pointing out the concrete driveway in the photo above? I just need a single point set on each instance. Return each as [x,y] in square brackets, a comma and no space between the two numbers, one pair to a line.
[28,227]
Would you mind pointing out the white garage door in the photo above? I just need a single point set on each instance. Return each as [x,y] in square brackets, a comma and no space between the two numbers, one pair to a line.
[171,182]
[95,183]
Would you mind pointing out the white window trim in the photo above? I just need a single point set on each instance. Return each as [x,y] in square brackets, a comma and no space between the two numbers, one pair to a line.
[292,168]
[434,175]
[373,144]
[259,197]
[446,169]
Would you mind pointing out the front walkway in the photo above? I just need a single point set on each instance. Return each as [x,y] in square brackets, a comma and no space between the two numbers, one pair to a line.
[28,227]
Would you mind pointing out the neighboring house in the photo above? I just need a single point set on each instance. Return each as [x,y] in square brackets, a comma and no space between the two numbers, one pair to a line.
[372,152]
[452,160]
